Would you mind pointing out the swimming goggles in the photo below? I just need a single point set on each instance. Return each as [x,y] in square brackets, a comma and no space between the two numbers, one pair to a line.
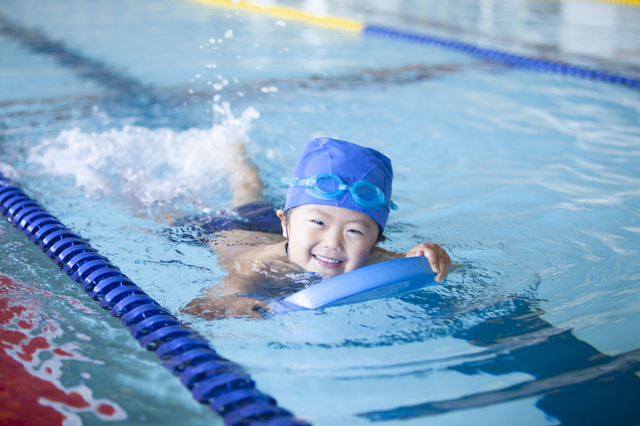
[328,186]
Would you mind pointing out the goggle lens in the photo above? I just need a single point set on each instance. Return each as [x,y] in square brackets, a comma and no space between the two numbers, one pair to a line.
[366,193]
[327,184]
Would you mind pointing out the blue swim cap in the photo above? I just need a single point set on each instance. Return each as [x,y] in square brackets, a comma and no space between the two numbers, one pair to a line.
[352,163]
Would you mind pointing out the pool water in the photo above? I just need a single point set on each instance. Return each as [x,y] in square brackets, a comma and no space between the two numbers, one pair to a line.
[115,112]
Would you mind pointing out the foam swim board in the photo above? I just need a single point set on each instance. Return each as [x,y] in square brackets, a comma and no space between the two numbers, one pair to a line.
[385,279]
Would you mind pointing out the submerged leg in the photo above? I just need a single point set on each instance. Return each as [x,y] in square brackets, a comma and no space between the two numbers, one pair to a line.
[246,184]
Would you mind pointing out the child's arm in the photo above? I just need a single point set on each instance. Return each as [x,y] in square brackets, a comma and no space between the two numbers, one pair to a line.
[250,258]
[227,307]
[226,300]
[439,260]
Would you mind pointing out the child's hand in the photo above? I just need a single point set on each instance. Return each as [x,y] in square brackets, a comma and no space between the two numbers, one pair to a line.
[438,259]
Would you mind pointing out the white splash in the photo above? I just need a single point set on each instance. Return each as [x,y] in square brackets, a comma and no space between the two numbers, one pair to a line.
[9,172]
[149,165]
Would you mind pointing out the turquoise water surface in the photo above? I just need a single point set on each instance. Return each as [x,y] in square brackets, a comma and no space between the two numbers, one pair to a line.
[114,112]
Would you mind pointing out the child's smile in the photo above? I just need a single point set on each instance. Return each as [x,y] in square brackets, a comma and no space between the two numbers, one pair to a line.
[329,240]
[328,262]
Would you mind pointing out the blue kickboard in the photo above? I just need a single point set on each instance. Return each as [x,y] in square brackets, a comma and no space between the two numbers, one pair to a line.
[377,281]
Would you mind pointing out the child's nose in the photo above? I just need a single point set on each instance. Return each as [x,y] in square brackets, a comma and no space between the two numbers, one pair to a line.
[332,240]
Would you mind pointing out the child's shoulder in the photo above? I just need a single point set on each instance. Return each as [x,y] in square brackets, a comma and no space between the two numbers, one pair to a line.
[252,258]
[239,249]
[379,255]
[238,238]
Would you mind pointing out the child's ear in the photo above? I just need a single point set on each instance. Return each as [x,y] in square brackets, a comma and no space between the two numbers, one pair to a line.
[283,221]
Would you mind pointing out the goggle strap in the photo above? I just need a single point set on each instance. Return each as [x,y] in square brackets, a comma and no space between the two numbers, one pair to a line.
[289,181]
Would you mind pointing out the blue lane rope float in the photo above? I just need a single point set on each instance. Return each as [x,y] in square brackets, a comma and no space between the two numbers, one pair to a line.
[212,379]
[505,58]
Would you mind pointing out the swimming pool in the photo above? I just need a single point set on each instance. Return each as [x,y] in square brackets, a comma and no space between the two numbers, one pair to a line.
[529,179]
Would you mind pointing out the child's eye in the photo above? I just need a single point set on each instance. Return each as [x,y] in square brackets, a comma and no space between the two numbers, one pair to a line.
[318,222]
[356,231]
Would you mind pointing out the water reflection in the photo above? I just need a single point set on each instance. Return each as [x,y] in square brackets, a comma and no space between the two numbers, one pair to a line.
[575,383]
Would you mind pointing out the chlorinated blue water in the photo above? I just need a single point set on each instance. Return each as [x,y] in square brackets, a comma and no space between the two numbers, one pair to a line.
[115,112]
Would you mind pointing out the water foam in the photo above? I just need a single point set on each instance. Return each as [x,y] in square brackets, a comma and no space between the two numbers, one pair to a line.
[148,165]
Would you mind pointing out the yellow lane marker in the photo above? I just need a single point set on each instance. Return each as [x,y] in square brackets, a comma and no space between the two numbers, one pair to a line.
[284,12]
[623,2]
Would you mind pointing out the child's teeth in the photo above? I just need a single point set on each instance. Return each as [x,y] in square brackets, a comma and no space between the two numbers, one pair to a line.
[324,259]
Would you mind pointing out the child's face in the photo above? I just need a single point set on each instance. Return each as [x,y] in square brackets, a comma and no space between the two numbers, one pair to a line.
[329,240]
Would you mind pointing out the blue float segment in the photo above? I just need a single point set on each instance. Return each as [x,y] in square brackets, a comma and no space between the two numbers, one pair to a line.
[52,237]
[180,362]
[386,279]
[69,253]
[16,208]
[119,293]
[10,196]
[100,274]
[255,412]
[72,265]
[107,284]
[85,268]
[28,210]
[27,219]
[16,200]
[239,396]
[151,324]
[209,388]
[193,375]
[40,227]
[139,313]
[180,345]
[60,245]
[130,302]
[152,341]
[7,188]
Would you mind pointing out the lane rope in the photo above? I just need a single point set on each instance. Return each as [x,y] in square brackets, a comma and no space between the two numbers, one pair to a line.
[506,58]
[225,386]
[492,55]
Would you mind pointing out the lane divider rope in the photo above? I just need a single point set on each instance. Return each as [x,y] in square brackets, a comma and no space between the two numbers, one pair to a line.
[223,385]
[505,58]
[493,55]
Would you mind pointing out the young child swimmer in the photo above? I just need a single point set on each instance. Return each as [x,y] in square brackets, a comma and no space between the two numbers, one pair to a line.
[336,209]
